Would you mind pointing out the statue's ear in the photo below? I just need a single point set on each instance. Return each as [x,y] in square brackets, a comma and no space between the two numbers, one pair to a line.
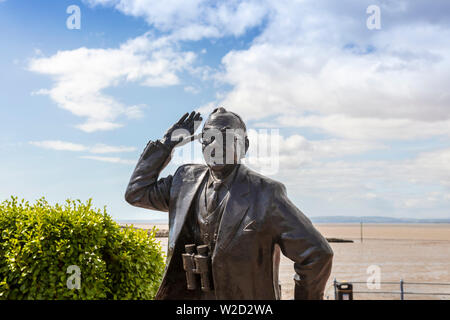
[242,152]
[247,144]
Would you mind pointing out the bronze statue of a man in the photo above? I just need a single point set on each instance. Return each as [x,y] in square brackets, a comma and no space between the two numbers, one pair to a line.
[242,217]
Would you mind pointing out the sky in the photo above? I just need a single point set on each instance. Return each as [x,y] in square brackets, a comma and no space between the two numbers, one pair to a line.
[358,117]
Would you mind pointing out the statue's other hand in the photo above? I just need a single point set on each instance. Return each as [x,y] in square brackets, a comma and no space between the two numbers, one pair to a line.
[183,128]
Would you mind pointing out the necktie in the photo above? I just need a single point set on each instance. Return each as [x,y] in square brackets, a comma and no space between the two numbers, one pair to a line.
[213,198]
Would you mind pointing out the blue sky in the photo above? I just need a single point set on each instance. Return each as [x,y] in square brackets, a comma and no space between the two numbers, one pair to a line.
[362,116]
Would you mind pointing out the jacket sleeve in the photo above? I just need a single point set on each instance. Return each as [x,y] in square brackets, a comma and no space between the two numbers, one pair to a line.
[144,189]
[303,244]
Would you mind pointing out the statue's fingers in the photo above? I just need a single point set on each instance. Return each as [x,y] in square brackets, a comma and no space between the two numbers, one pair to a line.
[183,118]
[191,116]
[198,117]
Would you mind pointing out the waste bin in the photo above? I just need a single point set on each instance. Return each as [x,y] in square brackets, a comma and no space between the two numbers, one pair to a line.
[344,291]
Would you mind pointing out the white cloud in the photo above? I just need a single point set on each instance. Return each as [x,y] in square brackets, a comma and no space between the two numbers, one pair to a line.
[428,167]
[93,125]
[369,128]
[331,81]
[110,159]
[191,89]
[194,19]
[270,152]
[102,148]
[318,56]
[417,186]
[81,75]
[316,64]
[69,146]
[59,145]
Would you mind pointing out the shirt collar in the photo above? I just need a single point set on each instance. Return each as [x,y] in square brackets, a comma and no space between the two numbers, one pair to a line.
[225,182]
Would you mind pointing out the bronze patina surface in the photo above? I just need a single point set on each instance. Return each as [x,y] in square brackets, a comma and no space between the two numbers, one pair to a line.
[239,219]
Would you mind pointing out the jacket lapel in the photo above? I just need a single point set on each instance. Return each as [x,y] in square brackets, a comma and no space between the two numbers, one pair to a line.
[191,183]
[235,210]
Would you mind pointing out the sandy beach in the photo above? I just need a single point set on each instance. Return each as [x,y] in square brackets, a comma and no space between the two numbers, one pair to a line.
[412,252]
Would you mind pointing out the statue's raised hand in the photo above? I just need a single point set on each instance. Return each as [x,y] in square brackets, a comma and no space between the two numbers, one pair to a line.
[182,129]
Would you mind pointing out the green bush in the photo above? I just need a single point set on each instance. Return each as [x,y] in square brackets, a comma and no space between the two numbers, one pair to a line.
[39,242]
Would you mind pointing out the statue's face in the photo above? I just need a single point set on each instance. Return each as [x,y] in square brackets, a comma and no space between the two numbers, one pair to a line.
[223,142]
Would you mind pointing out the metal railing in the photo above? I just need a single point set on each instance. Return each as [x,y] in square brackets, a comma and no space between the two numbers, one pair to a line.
[401,292]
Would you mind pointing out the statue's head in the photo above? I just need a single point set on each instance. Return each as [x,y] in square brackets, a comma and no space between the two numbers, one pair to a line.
[224,139]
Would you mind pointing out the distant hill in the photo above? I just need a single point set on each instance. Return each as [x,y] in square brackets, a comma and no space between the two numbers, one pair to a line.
[326,219]
[373,219]
[142,221]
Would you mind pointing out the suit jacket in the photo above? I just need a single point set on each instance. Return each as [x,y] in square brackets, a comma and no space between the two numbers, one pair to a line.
[258,221]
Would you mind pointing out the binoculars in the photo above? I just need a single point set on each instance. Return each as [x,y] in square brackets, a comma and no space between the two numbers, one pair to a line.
[197,264]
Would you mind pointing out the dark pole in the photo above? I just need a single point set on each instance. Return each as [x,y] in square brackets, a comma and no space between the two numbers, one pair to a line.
[361,231]
[335,285]
[402,292]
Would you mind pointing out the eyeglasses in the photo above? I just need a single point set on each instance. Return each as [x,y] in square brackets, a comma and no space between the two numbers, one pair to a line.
[208,136]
